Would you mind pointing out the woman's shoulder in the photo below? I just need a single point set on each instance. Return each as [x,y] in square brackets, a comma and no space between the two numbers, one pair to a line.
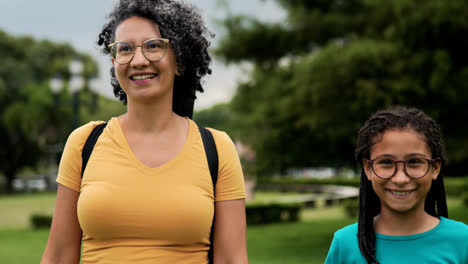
[80,134]
[85,129]
[220,137]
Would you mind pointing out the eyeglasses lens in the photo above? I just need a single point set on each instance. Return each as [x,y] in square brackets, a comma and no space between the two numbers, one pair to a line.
[154,49]
[414,167]
[123,52]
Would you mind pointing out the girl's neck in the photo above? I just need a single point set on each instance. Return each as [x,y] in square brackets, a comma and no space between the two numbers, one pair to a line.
[410,223]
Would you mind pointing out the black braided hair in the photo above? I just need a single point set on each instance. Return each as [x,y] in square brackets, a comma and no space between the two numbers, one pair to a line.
[399,117]
[182,24]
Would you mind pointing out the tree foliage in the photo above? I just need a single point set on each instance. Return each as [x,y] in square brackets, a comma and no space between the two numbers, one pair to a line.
[219,116]
[32,118]
[319,75]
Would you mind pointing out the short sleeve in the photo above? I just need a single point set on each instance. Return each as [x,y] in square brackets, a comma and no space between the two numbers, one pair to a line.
[69,172]
[344,247]
[230,184]
[333,256]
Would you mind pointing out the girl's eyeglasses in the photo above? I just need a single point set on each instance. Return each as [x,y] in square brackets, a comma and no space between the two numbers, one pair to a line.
[414,167]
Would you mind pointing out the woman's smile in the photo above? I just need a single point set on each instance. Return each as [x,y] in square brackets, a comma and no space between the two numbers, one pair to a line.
[143,78]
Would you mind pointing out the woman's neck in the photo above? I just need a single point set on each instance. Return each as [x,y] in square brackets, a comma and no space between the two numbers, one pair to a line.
[147,118]
[404,224]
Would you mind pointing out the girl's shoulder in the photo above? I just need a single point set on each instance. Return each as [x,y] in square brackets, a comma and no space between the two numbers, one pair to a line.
[345,243]
[453,228]
[347,232]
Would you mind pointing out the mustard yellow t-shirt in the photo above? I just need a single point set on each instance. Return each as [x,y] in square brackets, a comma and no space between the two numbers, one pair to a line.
[131,213]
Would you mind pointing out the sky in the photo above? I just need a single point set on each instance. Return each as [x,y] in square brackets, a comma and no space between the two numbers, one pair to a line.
[79,21]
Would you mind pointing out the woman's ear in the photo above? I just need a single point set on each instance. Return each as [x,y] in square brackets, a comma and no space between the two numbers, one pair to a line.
[435,169]
[367,168]
[179,71]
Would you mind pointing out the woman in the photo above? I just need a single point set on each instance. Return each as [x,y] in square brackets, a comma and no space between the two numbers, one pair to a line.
[146,195]
[402,204]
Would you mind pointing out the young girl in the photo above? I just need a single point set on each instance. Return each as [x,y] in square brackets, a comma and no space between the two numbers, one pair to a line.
[402,204]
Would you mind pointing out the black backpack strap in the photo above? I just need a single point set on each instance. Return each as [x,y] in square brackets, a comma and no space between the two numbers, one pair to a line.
[211,153]
[212,158]
[89,145]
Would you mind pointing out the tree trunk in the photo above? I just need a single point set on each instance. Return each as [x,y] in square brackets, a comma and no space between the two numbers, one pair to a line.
[9,182]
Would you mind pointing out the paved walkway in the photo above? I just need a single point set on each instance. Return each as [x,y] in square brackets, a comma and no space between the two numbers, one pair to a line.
[330,194]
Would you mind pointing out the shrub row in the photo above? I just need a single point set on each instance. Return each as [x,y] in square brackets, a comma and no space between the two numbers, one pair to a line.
[41,220]
[464,197]
[351,207]
[255,214]
[453,186]
[332,181]
[272,213]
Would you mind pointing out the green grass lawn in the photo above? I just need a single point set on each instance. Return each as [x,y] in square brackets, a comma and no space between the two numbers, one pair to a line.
[303,242]
[16,209]
[22,246]
[268,197]
[19,243]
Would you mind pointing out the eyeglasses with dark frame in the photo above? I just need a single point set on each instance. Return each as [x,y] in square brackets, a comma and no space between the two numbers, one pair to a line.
[153,49]
[415,168]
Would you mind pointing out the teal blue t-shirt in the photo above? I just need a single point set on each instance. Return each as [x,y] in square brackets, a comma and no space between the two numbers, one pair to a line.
[447,243]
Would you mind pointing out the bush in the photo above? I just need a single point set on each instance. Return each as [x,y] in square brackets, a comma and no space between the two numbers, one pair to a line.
[39,220]
[354,182]
[455,186]
[272,213]
[351,207]
[464,198]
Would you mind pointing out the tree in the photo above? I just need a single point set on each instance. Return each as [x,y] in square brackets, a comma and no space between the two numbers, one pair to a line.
[320,74]
[29,119]
[219,116]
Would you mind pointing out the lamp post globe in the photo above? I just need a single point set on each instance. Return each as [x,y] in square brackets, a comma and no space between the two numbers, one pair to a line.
[76,67]
[56,83]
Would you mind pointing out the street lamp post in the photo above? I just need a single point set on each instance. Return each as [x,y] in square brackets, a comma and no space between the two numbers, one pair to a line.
[75,84]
